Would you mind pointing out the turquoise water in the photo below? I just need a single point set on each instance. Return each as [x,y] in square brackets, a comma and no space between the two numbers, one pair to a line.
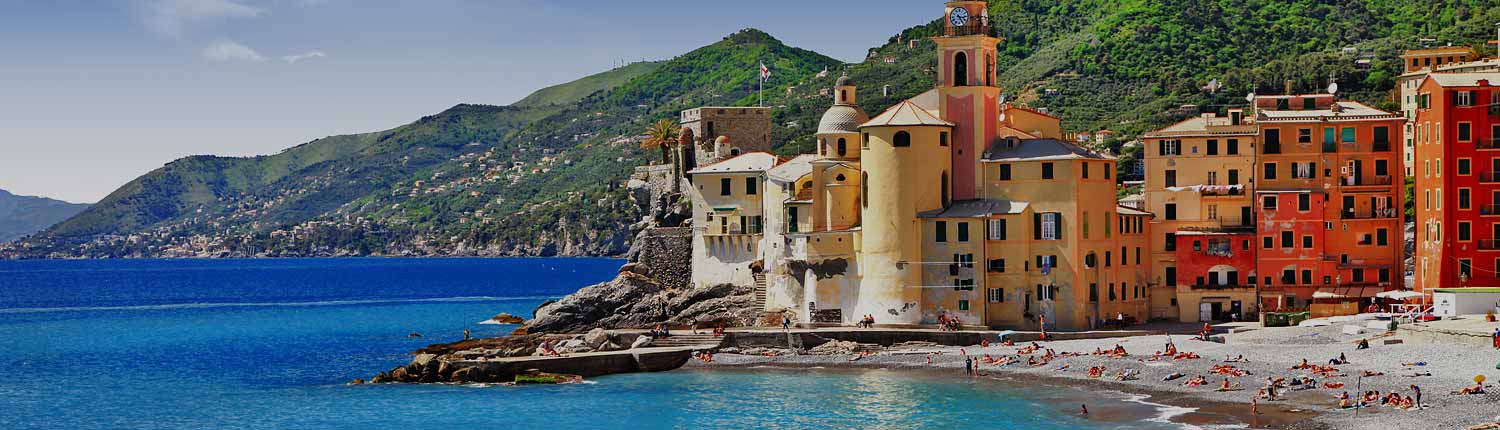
[269,344]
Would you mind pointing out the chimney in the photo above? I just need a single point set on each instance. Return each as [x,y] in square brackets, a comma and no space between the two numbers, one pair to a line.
[1288,90]
[1236,116]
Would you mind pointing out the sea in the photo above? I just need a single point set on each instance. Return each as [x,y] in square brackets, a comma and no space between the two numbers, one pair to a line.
[273,343]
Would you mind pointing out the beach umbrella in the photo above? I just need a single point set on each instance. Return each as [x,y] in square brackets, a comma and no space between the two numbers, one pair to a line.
[1478,379]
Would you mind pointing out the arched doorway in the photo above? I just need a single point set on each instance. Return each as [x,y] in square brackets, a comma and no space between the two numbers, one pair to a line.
[960,69]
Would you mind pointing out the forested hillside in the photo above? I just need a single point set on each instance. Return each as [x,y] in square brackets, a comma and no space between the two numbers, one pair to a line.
[544,177]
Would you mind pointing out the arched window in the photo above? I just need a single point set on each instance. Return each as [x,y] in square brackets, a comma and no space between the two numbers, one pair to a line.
[960,69]
[843,149]
[843,96]
[902,139]
[822,146]
[734,152]
[945,189]
[864,189]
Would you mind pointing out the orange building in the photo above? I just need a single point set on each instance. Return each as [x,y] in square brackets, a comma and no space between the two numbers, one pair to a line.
[1328,200]
[1458,206]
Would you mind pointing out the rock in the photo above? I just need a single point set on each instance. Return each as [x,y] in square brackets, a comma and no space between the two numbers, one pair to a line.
[573,346]
[505,318]
[357,381]
[380,378]
[466,375]
[421,363]
[595,338]
[641,342]
[636,268]
[399,374]
[609,346]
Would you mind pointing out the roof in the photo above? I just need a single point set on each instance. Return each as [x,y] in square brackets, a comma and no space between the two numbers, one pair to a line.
[844,81]
[749,162]
[1438,51]
[908,114]
[842,118]
[977,209]
[1039,149]
[1348,110]
[1464,79]
[1204,125]
[1127,210]
[792,169]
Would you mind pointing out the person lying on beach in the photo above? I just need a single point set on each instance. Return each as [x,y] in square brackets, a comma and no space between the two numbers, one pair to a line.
[1478,388]
[1008,342]
[1127,375]
[1413,364]
[1237,359]
[1417,374]
[1063,367]
[1338,361]
[1406,403]
[1304,365]
[1333,385]
[1171,349]
[1186,356]
[1197,381]
[1227,386]
[1363,344]
[1369,397]
[1173,376]
[1096,371]
[1370,373]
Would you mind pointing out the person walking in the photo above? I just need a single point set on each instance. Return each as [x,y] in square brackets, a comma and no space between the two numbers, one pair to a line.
[968,366]
[1496,338]
[786,322]
[1418,395]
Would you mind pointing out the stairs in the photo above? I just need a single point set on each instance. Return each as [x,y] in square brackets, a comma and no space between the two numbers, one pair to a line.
[760,291]
[689,339]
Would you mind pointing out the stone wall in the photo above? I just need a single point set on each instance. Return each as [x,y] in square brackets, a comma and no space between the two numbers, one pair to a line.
[667,251]
[748,129]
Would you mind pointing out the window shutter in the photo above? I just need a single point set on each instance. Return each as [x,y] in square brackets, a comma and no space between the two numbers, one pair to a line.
[1036,226]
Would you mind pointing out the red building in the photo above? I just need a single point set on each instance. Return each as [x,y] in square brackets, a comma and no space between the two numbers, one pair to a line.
[1328,200]
[1457,157]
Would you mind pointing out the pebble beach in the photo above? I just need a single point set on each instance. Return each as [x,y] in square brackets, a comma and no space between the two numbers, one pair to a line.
[1268,352]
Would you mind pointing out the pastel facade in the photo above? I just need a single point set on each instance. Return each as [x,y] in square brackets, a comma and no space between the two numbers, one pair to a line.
[1458,181]
[948,204]
[1418,64]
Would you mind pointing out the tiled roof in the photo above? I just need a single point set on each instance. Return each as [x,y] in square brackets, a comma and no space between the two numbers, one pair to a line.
[906,113]
[1348,110]
[842,119]
[792,169]
[1127,210]
[1201,125]
[1039,149]
[744,163]
[977,209]
[1464,79]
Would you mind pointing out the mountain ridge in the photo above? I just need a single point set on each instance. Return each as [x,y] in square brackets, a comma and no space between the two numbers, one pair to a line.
[24,215]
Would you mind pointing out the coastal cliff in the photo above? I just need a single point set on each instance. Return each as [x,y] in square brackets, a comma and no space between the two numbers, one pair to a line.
[655,286]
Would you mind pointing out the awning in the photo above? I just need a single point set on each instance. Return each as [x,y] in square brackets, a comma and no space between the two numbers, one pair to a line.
[1328,295]
[1400,295]
[1347,292]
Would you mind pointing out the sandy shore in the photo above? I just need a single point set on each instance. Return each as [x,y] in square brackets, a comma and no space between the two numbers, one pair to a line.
[1270,353]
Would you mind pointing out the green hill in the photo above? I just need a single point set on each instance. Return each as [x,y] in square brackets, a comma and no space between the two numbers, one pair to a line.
[572,92]
[544,177]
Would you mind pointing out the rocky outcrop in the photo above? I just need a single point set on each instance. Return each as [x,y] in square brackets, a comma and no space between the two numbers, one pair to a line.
[505,318]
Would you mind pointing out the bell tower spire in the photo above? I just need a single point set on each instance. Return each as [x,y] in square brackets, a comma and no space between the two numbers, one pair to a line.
[969,95]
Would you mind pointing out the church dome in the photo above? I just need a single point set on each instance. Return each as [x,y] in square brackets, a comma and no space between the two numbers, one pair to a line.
[844,81]
[842,119]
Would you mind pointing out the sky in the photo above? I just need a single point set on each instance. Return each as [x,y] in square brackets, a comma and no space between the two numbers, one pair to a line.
[96,93]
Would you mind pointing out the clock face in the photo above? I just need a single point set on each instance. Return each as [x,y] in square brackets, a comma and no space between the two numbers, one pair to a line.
[959,17]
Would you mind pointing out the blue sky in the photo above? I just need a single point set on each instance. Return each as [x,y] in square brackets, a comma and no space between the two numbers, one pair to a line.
[96,93]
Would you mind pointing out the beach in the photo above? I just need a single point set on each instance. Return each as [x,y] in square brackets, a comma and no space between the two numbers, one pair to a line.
[1266,352]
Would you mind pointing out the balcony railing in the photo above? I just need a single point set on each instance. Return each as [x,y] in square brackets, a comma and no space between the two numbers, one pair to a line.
[1492,143]
[1226,191]
[1381,213]
[1381,147]
[1489,177]
[1489,209]
[1355,181]
[974,28]
[1489,244]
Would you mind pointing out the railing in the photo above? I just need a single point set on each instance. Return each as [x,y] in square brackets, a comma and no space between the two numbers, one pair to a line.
[1489,209]
[1492,143]
[1489,244]
[1208,192]
[974,28]
[1489,177]
[1381,147]
[1355,181]
[1381,213]
[1218,286]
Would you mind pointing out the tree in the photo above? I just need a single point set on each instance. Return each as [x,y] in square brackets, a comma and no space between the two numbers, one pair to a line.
[661,135]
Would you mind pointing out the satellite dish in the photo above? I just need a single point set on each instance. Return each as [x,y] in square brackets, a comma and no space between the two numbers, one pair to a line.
[1213,86]
[1333,88]
[1250,97]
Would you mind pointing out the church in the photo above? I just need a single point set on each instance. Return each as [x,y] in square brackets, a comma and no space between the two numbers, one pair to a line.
[950,205]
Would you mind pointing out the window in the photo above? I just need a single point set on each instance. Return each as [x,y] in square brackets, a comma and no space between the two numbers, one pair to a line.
[1466,268]
[1232,147]
[1270,173]
[750,186]
[1005,172]
[1307,241]
[942,139]
[864,189]
[865,142]
[1463,231]
[941,232]
[1107,258]
[1171,276]
[1382,237]
[1171,242]
[1267,242]
[1463,98]
[1046,170]
[963,232]
[1286,239]
[997,229]
[1304,202]
[963,305]
[1234,177]
[1171,211]
[1137,255]
[1382,134]
[997,295]
[1213,147]
[1273,141]
[1111,288]
[1307,277]
[1170,147]
[1170,179]
[1463,198]
[1382,168]
[1304,170]
[1048,226]
[1094,292]
[1304,135]
[1084,168]
[1107,168]
[1465,132]
[1309,103]
[1268,203]
[997,265]
[902,139]
[1464,166]
[724,184]
[1348,134]
[843,147]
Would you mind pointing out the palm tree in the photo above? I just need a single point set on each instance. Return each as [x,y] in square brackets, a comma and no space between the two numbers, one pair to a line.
[661,135]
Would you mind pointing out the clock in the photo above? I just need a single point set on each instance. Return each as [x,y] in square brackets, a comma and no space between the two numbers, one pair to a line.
[959,17]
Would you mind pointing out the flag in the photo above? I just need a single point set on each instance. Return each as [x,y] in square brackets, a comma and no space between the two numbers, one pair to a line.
[765,72]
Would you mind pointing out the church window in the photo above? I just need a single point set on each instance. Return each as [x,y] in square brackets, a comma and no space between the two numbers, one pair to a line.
[902,139]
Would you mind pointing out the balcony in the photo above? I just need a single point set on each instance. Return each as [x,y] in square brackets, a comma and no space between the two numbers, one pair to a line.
[1221,191]
[1489,209]
[1378,213]
[1492,143]
[1381,147]
[1488,244]
[1489,178]
[974,28]
[1218,286]
[1355,181]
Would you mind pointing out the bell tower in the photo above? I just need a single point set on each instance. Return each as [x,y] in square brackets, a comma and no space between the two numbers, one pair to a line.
[969,96]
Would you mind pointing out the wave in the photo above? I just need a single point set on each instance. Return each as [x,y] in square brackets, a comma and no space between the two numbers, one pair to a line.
[174,306]
[1164,413]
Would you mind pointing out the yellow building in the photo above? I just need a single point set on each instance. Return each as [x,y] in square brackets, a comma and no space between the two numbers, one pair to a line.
[949,205]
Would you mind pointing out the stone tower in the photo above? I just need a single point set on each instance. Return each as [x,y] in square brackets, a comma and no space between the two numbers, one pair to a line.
[969,96]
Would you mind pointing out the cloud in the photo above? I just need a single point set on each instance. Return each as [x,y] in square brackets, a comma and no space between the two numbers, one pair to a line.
[229,51]
[303,56]
[171,18]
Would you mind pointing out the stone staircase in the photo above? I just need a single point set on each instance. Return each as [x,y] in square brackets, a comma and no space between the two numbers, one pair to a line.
[760,290]
[689,339]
